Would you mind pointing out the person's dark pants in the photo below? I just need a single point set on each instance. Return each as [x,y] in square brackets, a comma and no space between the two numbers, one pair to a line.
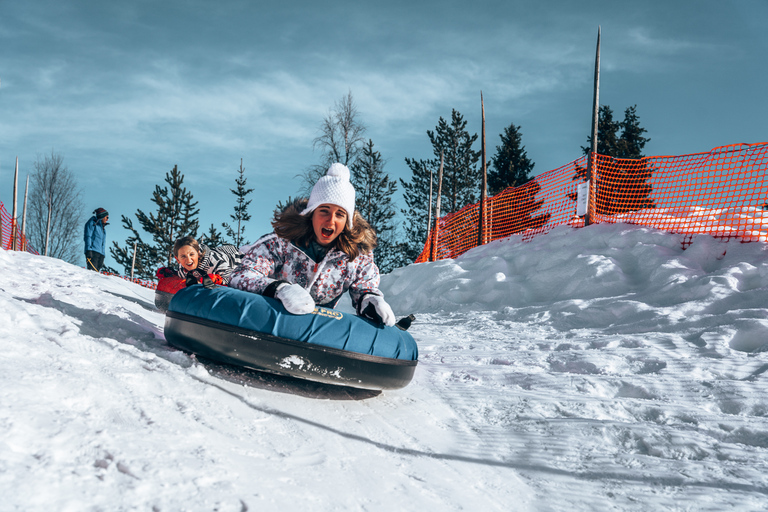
[94,260]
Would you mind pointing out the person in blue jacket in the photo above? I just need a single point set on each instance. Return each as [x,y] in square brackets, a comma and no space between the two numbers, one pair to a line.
[95,237]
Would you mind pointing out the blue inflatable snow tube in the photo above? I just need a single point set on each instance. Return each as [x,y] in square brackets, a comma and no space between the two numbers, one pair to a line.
[247,329]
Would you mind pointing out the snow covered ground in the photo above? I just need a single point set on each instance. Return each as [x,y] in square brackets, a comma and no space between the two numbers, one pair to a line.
[591,369]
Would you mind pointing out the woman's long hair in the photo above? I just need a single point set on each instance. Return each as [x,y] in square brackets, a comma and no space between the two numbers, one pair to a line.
[288,223]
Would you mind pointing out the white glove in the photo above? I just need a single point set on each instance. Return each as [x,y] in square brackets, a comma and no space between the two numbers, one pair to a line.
[296,299]
[381,307]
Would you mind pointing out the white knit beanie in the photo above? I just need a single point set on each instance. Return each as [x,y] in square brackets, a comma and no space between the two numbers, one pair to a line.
[333,188]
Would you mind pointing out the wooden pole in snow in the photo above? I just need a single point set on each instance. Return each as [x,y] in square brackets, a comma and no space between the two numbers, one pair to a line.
[48,224]
[24,218]
[429,216]
[593,150]
[14,223]
[481,234]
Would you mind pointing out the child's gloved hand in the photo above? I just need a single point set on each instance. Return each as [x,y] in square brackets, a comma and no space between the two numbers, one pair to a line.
[296,299]
[377,309]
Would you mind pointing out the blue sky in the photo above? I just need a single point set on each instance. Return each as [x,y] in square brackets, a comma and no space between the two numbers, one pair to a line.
[126,90]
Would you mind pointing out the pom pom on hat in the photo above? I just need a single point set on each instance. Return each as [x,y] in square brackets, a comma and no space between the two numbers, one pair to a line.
[333,188]
[338,170]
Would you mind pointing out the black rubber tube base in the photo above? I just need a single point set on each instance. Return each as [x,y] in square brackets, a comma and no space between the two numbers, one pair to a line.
[264,352]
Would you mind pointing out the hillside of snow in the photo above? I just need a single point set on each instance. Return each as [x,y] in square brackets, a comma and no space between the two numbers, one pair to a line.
[602,368]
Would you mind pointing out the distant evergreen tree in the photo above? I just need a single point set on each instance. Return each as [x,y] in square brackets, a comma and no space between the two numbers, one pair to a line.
[511,165]
[607,133]
[373,199]
[623,183]
[241,215]
[417,200]
[213,238]
[631,142]
[515,211]
[461,180]
[175,217]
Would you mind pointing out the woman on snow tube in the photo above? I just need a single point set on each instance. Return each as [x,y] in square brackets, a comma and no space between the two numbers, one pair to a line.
[320,248]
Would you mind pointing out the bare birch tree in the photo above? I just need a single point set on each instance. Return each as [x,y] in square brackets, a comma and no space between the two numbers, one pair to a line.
[55,210]
[341,140]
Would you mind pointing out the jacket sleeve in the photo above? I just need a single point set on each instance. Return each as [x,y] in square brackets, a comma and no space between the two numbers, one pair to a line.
[101,238]
[88,235]
[222,261]
[86,230]
[367,278]
[259,265]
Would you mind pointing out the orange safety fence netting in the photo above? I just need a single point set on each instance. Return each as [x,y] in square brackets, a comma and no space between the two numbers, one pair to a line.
[721,193]
[7,232]
[146,283]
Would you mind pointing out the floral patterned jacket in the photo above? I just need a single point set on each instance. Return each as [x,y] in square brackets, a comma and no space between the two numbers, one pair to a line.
[272,259]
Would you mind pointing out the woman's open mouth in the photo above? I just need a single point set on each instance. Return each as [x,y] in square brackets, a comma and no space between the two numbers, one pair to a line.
[328,233]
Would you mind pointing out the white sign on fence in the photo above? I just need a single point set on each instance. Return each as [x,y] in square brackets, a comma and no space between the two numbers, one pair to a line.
[582,199]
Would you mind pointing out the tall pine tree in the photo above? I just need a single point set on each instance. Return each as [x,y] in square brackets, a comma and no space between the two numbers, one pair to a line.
[373,199]
[236,232]
[417,201]
[516,209]
[461,180]
[629,144]
[607,133]
[632,141]
[511,165]
[176,217]
[622,185]
[213,238]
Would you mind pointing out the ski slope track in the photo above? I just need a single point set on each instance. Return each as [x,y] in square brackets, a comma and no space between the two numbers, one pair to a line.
[593,369]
